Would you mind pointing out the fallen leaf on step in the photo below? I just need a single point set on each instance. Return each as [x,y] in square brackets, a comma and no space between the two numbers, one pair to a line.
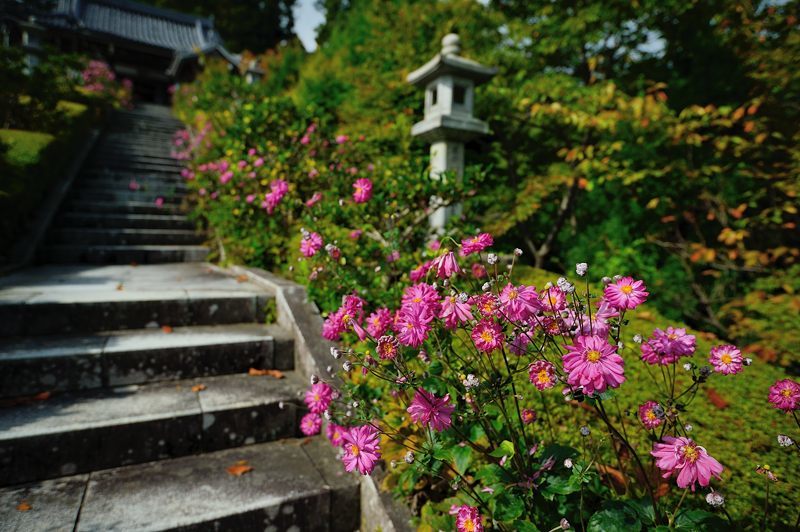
[43,396]
[242,278]
[198,387]
[134,264]
[239,468]
[278,374]
[24,507]
[24,400]
[120,287]
[166,328]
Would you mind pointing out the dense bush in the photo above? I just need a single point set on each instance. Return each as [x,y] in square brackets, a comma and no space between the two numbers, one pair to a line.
[265,175]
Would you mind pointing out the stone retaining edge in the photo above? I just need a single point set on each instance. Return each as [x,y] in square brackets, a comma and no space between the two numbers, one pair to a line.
[299,315]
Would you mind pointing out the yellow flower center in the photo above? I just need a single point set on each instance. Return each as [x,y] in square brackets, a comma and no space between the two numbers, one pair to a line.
[469,525]
[690,453]
[593,355]
[417,299]
[627,289]
[553,300]
[786,392]
[543,377]
[487,336]
[354,450]
[409,326]
[650,415]
[316,397]
[726,358]
[672,336]
[513,294]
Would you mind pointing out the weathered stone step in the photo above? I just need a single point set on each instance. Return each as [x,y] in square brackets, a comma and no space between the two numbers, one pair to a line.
[120,207]
[294,485]
[133,157]
[59,363]
[124,178]
[86,431]
[126,237]
[135,167]
[120,193]
[153,184]
[132,221]
[88,311]
[128,175]
[123,254]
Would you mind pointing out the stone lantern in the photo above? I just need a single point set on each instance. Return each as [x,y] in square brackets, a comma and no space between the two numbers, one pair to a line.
[449,81]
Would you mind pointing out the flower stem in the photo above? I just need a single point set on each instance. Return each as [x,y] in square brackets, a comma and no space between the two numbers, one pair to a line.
[675,511]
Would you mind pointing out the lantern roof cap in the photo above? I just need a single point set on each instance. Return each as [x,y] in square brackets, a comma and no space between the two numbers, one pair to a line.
[448,62]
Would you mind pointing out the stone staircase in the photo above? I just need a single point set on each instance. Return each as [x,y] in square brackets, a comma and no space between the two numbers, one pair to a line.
[125,393]
[111,216]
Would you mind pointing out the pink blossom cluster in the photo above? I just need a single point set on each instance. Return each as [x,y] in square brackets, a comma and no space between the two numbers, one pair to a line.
[97,76]
[667,347]
[350,314]
[278,189]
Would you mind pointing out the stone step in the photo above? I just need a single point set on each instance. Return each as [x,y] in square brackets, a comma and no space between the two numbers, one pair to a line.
[59,363]
[154,184]
[79,311]
[132,142]
[124,178]
[120,207]
[137,167]
[86,431]
[121,193]
[128,175]
[132,254]
[131,221]
[132,157]
[126,237]
[294,485]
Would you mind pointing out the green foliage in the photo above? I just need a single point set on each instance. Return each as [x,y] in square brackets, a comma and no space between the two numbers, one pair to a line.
[31,162]
[30,96]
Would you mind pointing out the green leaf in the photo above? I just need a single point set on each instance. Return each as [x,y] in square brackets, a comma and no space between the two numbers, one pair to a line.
[462,456]
[643,509]
[508,507]
[698,520]
[525,526]
[617,518]
[506,448]
[556,485]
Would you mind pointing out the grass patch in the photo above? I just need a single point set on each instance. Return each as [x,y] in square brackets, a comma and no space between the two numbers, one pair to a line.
[24,148]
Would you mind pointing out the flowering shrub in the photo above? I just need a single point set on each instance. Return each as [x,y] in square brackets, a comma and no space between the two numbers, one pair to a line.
[454,373]
[453,364]
[98,79]
[283,189]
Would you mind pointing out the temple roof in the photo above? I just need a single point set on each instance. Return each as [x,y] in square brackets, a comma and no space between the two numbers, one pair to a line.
[184,35]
